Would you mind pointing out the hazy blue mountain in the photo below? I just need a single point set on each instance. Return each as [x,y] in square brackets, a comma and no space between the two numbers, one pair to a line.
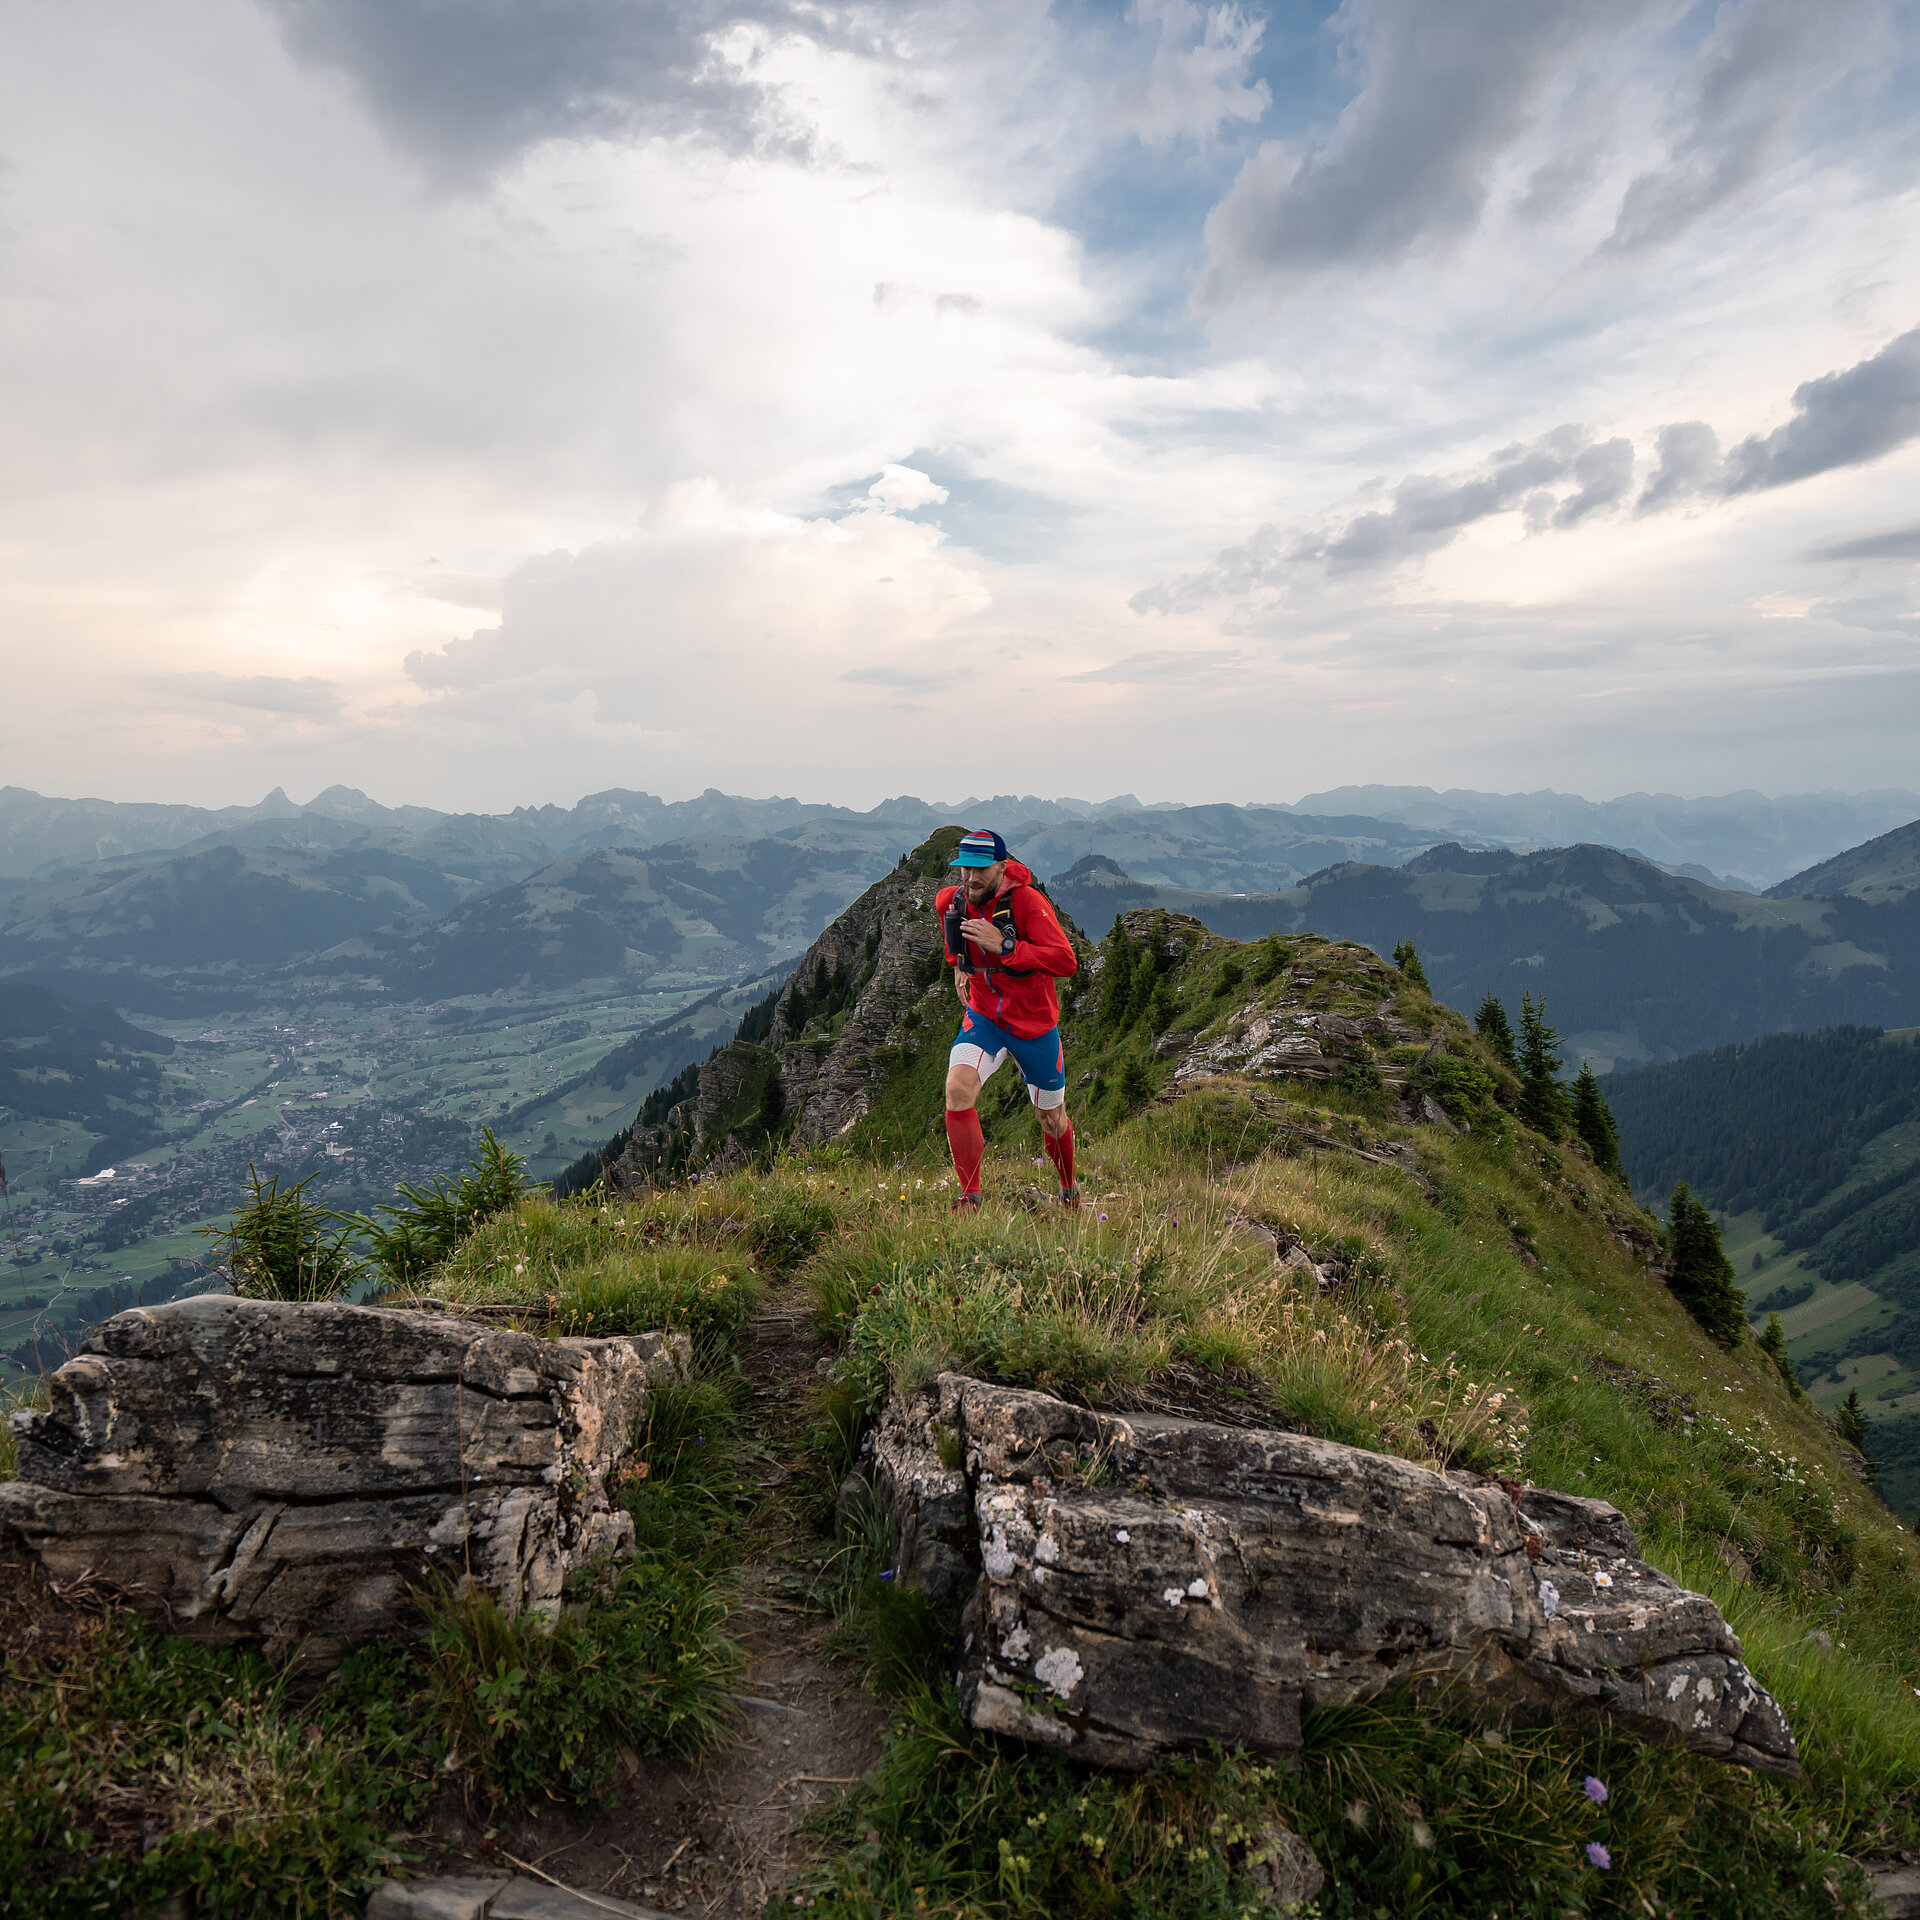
[1884,869]
[1744,837]
[1635,963]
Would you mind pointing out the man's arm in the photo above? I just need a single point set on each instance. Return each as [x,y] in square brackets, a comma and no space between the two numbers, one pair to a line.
[1040,947]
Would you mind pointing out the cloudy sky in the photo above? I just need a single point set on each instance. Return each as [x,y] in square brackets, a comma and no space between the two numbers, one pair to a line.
[488,401]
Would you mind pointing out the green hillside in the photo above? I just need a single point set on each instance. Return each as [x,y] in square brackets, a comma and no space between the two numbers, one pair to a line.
[1811,1144]
[1635,963]
[1470,1294]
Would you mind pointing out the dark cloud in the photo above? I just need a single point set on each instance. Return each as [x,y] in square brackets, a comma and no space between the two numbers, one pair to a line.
[1428,510]
[1447,90]
[308,699]
[1605,473]
[1689,463]
[1840,420]
[1763,60]
[1897,543]
[468,84]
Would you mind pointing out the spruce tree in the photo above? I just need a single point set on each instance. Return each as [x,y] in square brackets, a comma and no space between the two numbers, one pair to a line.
[1496,1029]
[1140,994]
[1116,976]
[1702,1274]
[1593,1122]
[1408,961]
[1850,1422]
[1543,1101]
[1773,1343]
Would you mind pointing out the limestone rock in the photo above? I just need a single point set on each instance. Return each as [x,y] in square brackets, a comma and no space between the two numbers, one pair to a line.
[1142,1583]
[260,1470]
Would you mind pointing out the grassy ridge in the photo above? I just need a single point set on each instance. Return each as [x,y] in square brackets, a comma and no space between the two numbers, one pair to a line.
[1492,1307]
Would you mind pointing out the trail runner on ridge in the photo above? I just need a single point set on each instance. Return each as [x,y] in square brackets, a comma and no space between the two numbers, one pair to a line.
[1006,950]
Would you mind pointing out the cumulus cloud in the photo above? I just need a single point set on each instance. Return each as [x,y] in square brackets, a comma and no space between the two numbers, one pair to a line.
[1763,60]
[467,84]
[902,489]
[1840,420]
[1447,91]
[307,699]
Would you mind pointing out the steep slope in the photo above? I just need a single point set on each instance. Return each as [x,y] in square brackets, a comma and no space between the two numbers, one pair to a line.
[1812,1143]
[1886,869]
[1293,1118]
[709,905]
[64,1061]
[215,914]
[1635,963]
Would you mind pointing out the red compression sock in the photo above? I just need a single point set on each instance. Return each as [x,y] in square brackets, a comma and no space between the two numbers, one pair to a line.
[1060,1152]
[969,1146]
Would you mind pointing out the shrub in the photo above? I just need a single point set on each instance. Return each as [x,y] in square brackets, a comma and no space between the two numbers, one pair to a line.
[423,1232]
[1135,1086]
[538,1711]
[280,1246]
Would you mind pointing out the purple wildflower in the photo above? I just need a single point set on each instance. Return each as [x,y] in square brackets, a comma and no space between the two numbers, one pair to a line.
[1103,1216]
[888,1575]
[1598,1856]
[1596,1791]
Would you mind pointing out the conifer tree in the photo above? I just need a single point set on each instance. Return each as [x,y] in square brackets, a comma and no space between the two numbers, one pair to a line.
[1145,974]
[1408,961]
[1593,1122]
[1496,1029]
[1116,976]
[1773,1343]
[1543,1101]
[1702,1274]
[1850,1422]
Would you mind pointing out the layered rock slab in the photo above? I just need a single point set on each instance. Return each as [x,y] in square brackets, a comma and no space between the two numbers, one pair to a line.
[294,1473]
[1134,1584]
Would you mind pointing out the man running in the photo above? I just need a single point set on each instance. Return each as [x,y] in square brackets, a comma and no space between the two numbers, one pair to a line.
[1006,950]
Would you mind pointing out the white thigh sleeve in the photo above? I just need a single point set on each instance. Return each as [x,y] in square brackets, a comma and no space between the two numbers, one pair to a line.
[965,1054]
[1042,1097]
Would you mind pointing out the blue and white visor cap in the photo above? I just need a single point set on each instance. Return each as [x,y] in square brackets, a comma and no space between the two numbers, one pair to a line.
[980,850]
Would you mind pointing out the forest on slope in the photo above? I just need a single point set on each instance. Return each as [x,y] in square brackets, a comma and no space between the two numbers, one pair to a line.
[1810,1144]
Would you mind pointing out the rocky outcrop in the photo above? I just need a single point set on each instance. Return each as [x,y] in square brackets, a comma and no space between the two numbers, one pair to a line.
[843,1022]
[256,1470]
[1132,1584]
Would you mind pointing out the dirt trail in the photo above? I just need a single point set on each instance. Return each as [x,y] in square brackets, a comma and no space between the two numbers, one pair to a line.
[714,1840]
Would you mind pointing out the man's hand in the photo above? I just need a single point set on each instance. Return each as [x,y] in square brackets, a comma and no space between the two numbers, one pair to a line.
[983,933]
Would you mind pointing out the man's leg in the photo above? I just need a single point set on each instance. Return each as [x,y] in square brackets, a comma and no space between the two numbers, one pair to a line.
[969,1144]
[1056,1131]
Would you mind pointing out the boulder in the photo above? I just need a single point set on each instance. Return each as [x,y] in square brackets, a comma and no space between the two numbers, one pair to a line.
[292,1473]
[1133,1584]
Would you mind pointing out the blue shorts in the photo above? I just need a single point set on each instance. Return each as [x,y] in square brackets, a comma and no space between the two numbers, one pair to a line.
[1042,1061]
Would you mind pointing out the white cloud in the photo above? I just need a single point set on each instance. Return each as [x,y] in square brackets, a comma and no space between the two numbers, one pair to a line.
[738,394]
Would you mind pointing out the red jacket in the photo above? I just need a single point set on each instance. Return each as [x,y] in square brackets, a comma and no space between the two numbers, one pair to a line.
[1014,988]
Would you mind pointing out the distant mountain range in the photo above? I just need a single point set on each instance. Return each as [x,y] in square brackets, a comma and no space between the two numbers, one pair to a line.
[1733,839]
[1634,963]
[1739,839]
